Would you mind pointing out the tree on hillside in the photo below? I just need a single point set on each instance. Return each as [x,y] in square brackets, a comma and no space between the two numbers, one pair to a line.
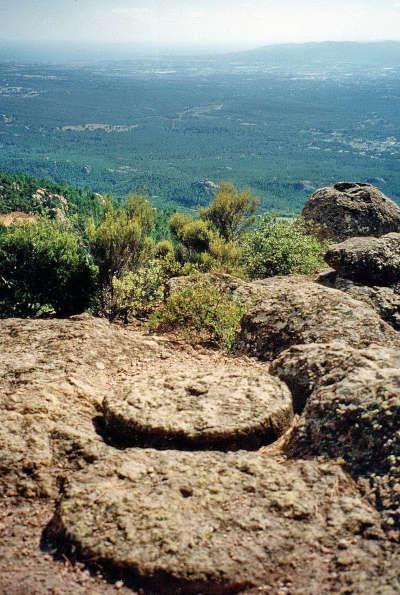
[120,243]
[199,246]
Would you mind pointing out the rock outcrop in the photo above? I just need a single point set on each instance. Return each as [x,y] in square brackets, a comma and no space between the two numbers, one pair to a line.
[17,218]
[50,383]
[384,300]
[352,411]
[54,377]
[223,409]
[348,209]
[368,260]
[368,269]
[289,313]
[76,394]
[222,523]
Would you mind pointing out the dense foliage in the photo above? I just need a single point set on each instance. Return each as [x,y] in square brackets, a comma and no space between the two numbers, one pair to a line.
[202,313]
[19,192]
[43,269]
[231,212]
[281,247]
[115,264]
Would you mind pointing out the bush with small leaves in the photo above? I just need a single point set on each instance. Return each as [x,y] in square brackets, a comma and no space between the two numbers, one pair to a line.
[231,212]
[137,291]
[281,247]
[201,313]
[120,241]
[43,269]
[201,245]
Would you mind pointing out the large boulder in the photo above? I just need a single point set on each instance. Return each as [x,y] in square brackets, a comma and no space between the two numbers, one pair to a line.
[288,313]
[48,398]
[368,260]
[352,411]
[348,209]
[208,522]
[224,408]
[385,300]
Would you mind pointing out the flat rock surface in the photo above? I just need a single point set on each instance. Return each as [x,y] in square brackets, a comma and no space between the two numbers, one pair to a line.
[350,209]
[51,381]
[224,408]
[208,522]
[290,313]
[371,261]
[54,376]
[352,411]
[205,521]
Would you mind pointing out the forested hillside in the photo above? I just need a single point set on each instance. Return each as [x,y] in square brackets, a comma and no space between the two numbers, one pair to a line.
[19,192]
[282,121]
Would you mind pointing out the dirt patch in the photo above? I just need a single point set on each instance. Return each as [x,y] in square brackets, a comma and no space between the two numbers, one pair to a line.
[26,568]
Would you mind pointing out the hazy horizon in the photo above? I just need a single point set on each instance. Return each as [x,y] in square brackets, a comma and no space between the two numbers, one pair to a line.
[204,24]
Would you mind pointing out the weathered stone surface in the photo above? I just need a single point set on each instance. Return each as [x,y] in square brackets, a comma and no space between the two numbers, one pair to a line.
[208,522]
[224,409]
[287,314]
[54,376]
[48,397]
[352,412]
[371,261]
[385,300]
[348,209]
[306,367]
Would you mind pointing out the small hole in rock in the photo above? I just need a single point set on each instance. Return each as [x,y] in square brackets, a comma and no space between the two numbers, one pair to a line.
[186,492]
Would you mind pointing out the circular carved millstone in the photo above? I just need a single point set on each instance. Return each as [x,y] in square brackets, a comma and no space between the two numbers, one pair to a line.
[214,522]
[221,410]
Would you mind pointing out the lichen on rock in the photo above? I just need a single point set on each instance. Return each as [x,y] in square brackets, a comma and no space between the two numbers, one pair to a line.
[287,313]
[368,260]
[352,412]
[224,408]
[350,209]
[208,522]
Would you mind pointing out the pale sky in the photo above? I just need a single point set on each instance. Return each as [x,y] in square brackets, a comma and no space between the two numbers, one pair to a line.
[199,22]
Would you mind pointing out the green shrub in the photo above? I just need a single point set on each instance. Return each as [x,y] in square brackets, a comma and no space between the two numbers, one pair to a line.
[163,249]
[120,241]
[43,269]
[136,292]
[198,243]
[231,212]
[281,247]
[202,313]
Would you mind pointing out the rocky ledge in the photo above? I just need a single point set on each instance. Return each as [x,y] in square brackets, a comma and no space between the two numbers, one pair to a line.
[181,469]
[167,468]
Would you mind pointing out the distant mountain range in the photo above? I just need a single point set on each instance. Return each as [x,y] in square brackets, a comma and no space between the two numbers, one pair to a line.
[367,53]
[359,53]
